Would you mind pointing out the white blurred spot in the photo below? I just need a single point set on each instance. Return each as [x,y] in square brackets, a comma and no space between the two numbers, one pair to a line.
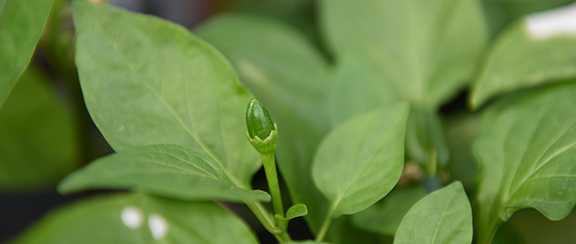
[556,22]
[158,226]
[132,217]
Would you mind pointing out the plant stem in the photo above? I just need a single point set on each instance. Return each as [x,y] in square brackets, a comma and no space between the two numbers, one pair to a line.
[432,162]
[325,225]
[272,178]
[264,217]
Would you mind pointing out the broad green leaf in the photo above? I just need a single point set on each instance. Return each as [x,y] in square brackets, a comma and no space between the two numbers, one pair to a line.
[165,170]
[511,65]
[295,211]
[444,216]
[137,218]
[21,24]
[39,143]
[385,217]
[148,81]
[291,83]
[360,161]
[424,135]
[425,49]
[526,153]
[500,13]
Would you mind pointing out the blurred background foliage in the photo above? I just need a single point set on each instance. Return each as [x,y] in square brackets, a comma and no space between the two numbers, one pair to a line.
[282,54]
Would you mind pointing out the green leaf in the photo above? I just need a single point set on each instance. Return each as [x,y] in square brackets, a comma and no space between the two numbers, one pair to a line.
[500,13]
[307,242]
[385,217]
[510,64]
[39,143]
[425,49]
[295,211]
[526,154]
[147,81]
[21,24]
[342,231]
[425,142]
[138,218]
[360,161]
[165,170]
[291,83]
[443,216]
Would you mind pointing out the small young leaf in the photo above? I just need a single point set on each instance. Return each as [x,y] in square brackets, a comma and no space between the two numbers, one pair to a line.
[510,65]
[21,24]
[38,144]
[444,216]
[165,170]
[526,154]
[295,211]
[385,217]
[138,218]
[360,161]
[291,83]
[148,81]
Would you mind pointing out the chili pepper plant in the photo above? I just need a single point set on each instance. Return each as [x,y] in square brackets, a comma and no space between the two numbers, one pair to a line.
[353,125]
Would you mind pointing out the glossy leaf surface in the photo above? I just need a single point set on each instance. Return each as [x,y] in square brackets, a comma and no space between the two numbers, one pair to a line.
[444,216]
[137,218]
[165,170]
[526,152]
[148,81]
[426,50]
[511,64]
[21,24]
[39,143]
[290,81]
[361,160]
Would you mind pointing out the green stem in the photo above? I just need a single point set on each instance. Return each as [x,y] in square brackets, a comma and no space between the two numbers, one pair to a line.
[264,217]
[325,225]
[272,178]
[432,162]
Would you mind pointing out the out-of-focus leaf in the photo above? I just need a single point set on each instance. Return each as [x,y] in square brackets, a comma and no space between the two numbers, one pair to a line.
[526,152]
[359,162]
[529,54]
[461,129]
[291,82]
[138,218]
[21,24]
[148,81]
[38,144]
[165,170]
[425,142]
[444,216]
[500,13]
[342,231]
[507,235]
[425,49]
[385,217]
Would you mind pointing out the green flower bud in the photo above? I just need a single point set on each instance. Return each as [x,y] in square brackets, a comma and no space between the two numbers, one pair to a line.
[262,131]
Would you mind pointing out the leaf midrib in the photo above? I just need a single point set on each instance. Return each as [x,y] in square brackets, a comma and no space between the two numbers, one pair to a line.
[165,105]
